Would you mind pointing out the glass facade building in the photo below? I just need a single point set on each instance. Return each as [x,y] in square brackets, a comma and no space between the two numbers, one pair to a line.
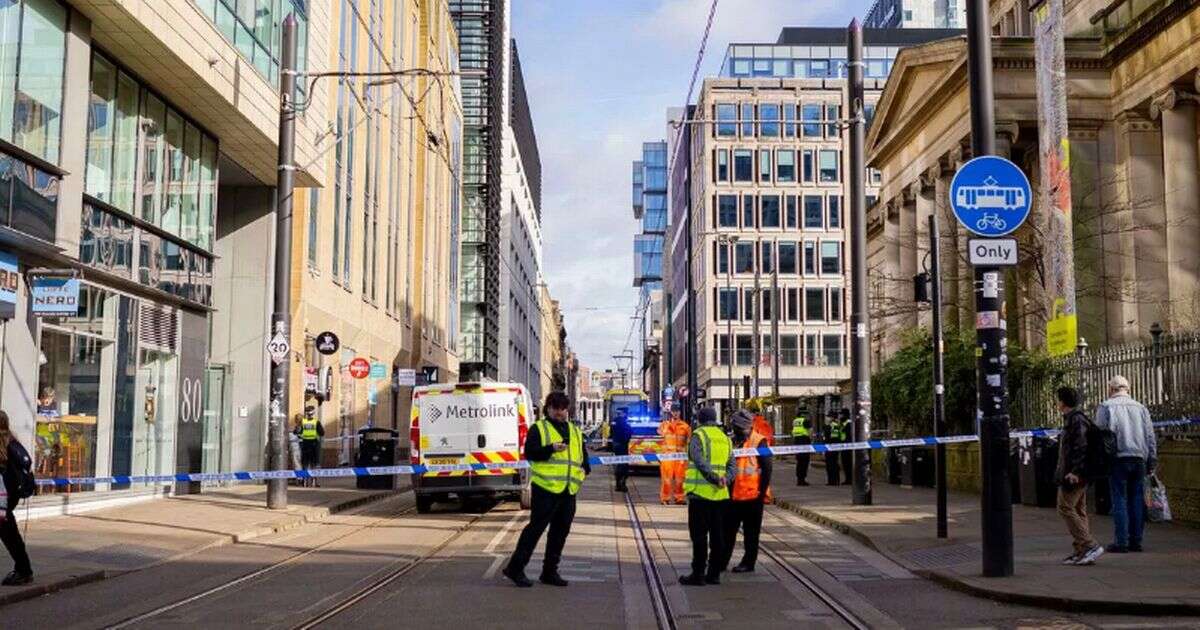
[481,26]
[650,208]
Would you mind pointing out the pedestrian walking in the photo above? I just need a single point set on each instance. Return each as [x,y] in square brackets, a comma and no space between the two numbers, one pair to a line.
[751,492]
[1072,478]
[18,484]
[558,464]
[709,476]
[801,434]
[1137,456]
[831,434]
[310,433]
[846,427]
[675,433]
[620,445]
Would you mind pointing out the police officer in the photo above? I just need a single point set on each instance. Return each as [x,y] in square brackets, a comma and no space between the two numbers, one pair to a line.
[751,491]
[558,464]
[709,476]
[801,435]
[847,436]
[832,434]
[310,433]
[620,445]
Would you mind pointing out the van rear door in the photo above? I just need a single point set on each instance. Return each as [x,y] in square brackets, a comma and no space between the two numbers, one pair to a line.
[472,425]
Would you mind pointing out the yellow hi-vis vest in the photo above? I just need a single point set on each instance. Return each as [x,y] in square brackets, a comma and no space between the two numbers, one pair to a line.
[717,452]
[564,469]
[308,429]
[798,428]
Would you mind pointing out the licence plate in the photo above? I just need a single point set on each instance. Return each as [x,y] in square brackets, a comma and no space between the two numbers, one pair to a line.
[441,461]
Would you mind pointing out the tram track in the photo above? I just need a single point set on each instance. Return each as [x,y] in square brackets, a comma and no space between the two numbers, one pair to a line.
[667,618]
[391,576]
[260,572]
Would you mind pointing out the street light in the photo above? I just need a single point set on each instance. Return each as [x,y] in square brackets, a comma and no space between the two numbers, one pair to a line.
[728,241]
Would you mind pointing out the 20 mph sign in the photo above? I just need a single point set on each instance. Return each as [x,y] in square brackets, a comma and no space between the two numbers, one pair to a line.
[278,347]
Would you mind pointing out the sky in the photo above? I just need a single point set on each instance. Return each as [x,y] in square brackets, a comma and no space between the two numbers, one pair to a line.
[600,76]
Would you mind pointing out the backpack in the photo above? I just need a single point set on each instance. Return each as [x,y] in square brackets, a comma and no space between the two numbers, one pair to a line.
[1101,450]
[26,483]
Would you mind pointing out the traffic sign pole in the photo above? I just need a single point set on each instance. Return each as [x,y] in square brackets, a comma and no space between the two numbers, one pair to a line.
[990,336]
[281,316]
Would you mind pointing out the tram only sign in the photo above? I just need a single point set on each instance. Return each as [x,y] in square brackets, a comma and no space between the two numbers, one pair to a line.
[990,196]
[992,252]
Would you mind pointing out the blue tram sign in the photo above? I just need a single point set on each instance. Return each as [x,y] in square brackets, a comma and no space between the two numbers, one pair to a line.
[990,196]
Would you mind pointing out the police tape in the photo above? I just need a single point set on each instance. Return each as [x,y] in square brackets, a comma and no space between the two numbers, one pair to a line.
[602,460]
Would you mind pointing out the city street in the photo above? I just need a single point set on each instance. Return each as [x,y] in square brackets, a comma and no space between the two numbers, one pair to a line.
[383,566]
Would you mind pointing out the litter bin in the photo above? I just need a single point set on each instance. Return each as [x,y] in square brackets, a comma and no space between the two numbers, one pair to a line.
[376,447]
[1014,470]
[917,465]
[1039,458]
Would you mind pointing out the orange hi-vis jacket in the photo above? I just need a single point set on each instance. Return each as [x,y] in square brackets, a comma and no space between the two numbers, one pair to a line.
[675,434]
[767,431]
[745,483]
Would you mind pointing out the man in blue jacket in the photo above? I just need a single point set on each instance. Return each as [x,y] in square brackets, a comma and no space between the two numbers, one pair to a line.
[1137,456]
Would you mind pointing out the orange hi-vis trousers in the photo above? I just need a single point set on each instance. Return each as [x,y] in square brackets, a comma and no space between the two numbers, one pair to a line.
[672,481]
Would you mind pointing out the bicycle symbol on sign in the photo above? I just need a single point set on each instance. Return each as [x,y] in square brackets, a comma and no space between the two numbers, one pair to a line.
[990,220]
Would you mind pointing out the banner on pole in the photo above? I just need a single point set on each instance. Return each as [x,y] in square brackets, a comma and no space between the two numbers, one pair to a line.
[1055,187]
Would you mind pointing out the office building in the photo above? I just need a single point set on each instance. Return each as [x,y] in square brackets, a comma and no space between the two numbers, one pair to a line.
[767,199]
[917,14]
[650,209]
[376,250]
[137,164]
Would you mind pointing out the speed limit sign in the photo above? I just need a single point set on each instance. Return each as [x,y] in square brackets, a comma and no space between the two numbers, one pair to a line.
[278,347]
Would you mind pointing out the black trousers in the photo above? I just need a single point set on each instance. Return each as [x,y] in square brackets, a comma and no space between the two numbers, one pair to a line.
[848,466]
[832,468]
[555,511]
[706,527]
[802,460]
[310,454]
[10,535]
[621,471]
[748,516]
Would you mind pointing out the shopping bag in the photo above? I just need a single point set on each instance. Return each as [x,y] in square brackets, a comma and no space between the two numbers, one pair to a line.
[1158,510]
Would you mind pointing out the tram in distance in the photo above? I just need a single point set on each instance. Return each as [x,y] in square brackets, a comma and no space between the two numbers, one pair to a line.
[632,408]
[990,196]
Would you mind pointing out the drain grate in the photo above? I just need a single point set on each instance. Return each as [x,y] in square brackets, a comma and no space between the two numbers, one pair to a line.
[937,557]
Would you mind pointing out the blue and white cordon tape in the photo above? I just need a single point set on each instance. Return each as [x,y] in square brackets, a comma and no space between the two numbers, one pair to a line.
[603,460]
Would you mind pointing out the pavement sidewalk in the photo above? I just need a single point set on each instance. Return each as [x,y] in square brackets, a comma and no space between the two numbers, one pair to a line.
[67,551]
[901,524]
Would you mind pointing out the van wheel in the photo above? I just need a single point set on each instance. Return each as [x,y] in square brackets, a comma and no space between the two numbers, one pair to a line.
[424,503]
[527,498]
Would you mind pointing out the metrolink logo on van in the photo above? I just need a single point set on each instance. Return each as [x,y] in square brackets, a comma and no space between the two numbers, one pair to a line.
[486,411]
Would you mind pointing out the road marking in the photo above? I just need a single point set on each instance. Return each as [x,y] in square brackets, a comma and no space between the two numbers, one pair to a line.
[490,550]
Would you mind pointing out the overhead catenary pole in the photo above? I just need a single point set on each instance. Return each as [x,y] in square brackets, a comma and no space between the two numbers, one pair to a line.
[990,337]
[860,352]
[281,316]
[939,372]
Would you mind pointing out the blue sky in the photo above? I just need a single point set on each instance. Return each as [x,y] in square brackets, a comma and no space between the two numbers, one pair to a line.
[600,76]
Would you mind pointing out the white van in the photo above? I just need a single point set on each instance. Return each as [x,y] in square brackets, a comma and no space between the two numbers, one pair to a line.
[469,423]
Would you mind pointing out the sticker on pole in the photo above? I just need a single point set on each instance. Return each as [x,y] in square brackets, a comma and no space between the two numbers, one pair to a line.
[278,347]
[990,196]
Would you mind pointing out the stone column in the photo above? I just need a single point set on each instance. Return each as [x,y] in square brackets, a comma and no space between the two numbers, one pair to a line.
[955,249]
[1181,197]
[1140,152]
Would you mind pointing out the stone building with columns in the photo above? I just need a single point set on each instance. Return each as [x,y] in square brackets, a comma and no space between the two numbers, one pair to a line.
[1131,70]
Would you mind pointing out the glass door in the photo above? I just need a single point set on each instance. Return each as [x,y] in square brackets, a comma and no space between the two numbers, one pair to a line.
[155,411]
[217,431]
